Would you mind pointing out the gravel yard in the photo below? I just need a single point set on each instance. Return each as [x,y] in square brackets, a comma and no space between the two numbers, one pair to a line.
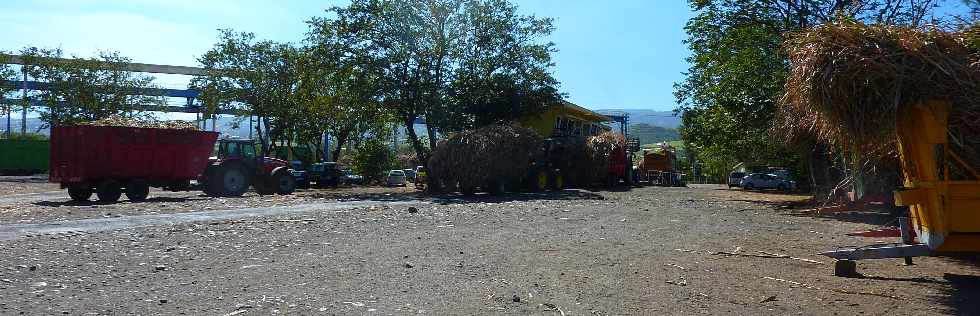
[385,251]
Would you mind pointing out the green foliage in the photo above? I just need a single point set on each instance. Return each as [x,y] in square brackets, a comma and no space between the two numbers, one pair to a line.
[255,77]
[649,134]
[457,63]
[87,89]
[28,136]
[372,157]
[738,69]
[6,73]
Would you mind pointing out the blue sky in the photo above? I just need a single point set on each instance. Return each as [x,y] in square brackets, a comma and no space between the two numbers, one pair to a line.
[612,54]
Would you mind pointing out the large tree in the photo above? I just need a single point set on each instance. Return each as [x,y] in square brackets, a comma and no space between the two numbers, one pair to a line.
[457,64]
[738,68]
[257,78]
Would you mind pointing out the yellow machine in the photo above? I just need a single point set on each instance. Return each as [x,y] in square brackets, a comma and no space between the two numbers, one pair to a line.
[945,213]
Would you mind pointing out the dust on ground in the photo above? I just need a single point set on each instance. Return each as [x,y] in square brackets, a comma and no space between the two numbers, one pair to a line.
[645,251]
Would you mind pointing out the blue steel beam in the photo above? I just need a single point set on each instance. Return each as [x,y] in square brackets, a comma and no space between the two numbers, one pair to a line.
[148,107]
[156,92]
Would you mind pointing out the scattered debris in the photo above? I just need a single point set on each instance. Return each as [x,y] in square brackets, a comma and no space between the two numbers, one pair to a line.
[768,299]
[675,266]
[413,210]
[765,255]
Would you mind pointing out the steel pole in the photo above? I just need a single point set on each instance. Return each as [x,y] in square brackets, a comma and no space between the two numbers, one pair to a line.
[27,103]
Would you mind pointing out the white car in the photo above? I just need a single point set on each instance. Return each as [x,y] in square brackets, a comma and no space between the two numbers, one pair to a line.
[761,181]
[396,178]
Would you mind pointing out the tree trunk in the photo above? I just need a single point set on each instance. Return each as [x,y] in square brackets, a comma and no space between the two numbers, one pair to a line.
[342,138]
[420,152]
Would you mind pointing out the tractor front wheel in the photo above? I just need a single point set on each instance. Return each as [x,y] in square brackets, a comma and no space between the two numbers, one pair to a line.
[283,182]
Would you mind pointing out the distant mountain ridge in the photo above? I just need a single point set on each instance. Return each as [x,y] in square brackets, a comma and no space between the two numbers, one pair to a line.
[649,117]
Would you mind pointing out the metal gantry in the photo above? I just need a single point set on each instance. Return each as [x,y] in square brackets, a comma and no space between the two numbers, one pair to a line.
[189,94]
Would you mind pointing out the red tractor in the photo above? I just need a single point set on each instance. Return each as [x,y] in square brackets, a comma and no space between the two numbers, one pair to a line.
[238,166]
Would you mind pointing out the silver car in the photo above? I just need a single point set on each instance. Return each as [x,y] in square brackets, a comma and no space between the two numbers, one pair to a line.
[762,181]
[396,178]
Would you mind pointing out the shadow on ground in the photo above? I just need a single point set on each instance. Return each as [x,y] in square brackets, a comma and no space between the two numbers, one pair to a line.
[90,203]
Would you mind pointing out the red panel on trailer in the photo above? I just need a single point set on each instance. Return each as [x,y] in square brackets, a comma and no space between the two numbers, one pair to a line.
[89,153]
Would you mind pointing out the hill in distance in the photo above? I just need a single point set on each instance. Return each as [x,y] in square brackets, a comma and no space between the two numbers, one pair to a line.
[650,117]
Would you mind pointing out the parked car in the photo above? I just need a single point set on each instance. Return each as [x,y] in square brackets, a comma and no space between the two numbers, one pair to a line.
[735,179]
[351,178]
[302,179]
[762,181]
[325,174]
[396,178]
[409,174]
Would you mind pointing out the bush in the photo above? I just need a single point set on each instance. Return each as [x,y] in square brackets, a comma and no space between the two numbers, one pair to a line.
[371,158]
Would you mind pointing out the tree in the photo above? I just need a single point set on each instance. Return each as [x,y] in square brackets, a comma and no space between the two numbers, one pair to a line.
[372,157]
[6,73]
[457,64]
[87,89]
[257,78]
[738,68]
[341,96]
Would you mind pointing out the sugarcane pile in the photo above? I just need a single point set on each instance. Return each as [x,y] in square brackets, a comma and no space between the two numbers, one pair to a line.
[141,122]
[849,81]
[599,151]
[477,157]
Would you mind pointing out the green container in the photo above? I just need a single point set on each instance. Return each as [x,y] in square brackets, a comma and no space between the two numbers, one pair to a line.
[24,156]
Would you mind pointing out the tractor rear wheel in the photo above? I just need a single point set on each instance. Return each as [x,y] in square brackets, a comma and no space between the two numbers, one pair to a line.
[79,192]
[229,180]
[137,190]
[109,191]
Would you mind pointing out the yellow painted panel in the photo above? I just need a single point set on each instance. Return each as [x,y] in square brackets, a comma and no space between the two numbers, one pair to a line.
[961,243]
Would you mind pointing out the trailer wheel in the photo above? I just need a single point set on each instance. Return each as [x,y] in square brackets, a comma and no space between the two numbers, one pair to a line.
[137,190]
[497,187]
[79,192]
[109,191]
[230,180]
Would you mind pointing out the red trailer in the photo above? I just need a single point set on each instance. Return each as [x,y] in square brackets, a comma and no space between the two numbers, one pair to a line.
[113,160]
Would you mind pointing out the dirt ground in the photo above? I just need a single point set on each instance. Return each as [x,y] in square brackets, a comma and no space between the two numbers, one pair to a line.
[354,251]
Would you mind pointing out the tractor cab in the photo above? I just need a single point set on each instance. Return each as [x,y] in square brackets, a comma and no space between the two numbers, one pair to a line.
[236,149]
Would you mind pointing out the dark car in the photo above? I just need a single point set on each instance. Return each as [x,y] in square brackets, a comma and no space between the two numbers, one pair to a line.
[302,180]
[735,179]
[351,178]
[325,174]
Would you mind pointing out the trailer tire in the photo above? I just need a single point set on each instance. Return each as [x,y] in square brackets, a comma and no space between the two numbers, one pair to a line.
[79,192]
[109,191]
[497,187]
[137,190]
